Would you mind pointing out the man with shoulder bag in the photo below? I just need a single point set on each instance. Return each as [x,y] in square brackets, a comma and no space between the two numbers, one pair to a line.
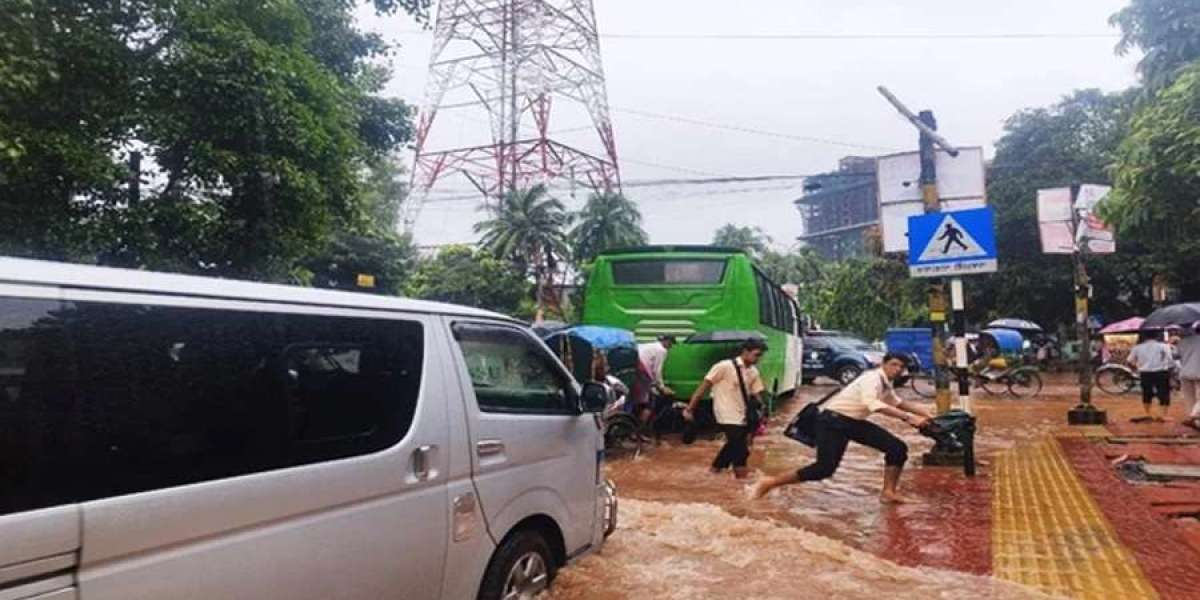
[736,391]
[843,418]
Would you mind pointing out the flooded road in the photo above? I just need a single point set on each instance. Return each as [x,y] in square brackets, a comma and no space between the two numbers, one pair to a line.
[685,533]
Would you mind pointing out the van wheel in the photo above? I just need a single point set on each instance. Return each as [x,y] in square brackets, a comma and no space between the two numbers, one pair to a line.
[521,569]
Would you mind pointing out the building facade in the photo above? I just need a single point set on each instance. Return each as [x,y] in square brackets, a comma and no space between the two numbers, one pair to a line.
[840,209]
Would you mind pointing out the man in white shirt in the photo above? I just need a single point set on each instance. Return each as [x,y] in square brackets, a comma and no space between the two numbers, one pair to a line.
[844,419]
[731,391]
[654,356]
[1153,360]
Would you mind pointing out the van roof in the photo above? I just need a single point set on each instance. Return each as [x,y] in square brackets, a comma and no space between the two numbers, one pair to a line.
[40,272]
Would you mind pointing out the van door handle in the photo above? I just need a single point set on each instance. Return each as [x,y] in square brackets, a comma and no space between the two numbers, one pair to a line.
[489,448]
[421,462]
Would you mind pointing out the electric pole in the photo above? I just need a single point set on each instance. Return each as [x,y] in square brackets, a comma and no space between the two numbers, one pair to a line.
[928,143]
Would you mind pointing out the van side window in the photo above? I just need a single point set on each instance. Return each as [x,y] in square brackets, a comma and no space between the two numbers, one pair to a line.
[146,397]
[511,373]
[40,425]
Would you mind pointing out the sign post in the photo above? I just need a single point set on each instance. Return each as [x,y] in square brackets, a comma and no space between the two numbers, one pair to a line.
[961,254]
[1067,224]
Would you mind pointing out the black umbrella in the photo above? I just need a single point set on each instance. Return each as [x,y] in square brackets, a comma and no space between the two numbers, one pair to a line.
[729,336]
[1015,324]
[1176,314]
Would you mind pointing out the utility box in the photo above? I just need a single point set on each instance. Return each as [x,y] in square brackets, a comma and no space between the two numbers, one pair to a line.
[916,341]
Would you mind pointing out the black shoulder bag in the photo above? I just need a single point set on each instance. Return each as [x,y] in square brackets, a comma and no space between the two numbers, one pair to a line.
[754,408]
[803,427]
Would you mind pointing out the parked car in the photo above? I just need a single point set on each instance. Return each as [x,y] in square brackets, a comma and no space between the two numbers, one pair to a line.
[172,436]
[841,357]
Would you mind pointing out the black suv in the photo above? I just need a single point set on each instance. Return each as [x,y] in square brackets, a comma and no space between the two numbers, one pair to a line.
[838,356]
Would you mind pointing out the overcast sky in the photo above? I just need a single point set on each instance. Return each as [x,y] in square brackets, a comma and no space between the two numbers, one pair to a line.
[817,88]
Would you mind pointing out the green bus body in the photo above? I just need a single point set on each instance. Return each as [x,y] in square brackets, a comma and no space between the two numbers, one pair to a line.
[681,290]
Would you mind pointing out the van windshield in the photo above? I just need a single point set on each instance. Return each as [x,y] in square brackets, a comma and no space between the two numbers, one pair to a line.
[668,272]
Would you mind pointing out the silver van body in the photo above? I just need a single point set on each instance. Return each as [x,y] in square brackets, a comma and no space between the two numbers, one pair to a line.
[183,437]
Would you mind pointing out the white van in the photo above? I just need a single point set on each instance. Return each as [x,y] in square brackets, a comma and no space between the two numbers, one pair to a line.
[166,436]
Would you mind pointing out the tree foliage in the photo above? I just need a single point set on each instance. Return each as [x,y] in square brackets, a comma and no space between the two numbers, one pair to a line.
[861,295]
[752,240]
[528,229]
[256,120]
[470,277]
[608,220]
[1073,141]
[1166,31]
[1157,174]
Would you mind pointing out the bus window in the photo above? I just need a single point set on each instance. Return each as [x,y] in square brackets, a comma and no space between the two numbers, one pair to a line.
[672,272]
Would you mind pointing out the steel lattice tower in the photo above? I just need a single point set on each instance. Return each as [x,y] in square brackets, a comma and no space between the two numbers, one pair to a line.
[525,83]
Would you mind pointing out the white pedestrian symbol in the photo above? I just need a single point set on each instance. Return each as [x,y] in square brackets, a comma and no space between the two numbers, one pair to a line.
[951,240]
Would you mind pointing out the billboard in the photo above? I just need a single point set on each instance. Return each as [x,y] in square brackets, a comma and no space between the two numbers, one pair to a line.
[960,183]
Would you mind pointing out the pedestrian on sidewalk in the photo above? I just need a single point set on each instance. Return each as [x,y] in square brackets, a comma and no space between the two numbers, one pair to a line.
[1189,374]
[735,384]
[1153,360]
[844,419]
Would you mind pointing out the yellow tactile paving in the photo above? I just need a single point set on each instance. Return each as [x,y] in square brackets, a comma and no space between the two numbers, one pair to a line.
[1048,533]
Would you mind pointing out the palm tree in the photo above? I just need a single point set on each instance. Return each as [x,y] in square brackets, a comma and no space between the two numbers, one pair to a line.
[608,220]
[527,228]
[753,240]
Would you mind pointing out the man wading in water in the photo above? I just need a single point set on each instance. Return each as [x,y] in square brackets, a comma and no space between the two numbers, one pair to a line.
[729,405]
[844,418]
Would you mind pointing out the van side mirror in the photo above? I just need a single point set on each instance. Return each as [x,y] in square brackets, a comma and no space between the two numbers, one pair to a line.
[593,397]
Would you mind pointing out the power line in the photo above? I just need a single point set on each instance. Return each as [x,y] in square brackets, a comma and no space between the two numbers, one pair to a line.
[1013,36]
[701,181]
[750,130]
[859,36]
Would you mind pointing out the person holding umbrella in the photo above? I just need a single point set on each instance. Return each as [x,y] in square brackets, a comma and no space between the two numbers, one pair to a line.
[1186,316]
[1153,360]
[1189,374]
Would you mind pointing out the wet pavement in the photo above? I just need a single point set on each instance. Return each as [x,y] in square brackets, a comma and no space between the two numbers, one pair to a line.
[688,534]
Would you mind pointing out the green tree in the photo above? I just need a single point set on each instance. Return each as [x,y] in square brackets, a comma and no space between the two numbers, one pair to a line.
[255,119]
[1166,31]
[1071,142]
[608,220]
[1157,173]
[528,229]
[752,240]
[462,275]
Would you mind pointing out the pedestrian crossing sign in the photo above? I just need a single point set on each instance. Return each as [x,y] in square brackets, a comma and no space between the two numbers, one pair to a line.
[952,243]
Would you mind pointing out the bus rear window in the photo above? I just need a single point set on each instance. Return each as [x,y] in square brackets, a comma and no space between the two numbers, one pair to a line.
[672,272]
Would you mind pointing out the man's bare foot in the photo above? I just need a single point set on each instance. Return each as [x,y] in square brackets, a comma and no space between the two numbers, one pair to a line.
[894,498]
[758,490]
[741,473]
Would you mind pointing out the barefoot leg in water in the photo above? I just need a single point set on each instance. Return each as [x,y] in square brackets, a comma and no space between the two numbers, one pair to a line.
[891,480]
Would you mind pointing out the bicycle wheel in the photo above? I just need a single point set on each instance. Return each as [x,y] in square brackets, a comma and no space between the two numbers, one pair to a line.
[1115,381]
[924,385]
[1024,383]
[994,387]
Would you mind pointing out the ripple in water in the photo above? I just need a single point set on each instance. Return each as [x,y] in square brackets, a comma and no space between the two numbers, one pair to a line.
[687,551]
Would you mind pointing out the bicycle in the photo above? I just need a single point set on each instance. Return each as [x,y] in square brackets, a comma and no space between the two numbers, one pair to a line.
[1021,382]
[1116,379]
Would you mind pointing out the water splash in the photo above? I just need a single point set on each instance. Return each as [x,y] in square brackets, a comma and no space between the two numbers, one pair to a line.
[682,551]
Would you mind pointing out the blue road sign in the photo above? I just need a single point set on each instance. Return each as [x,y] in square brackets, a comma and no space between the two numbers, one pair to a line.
[952,243]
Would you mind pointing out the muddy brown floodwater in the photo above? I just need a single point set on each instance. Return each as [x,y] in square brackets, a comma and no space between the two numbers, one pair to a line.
[685,533]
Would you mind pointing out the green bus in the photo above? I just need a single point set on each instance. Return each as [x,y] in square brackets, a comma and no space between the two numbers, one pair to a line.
[681,290]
